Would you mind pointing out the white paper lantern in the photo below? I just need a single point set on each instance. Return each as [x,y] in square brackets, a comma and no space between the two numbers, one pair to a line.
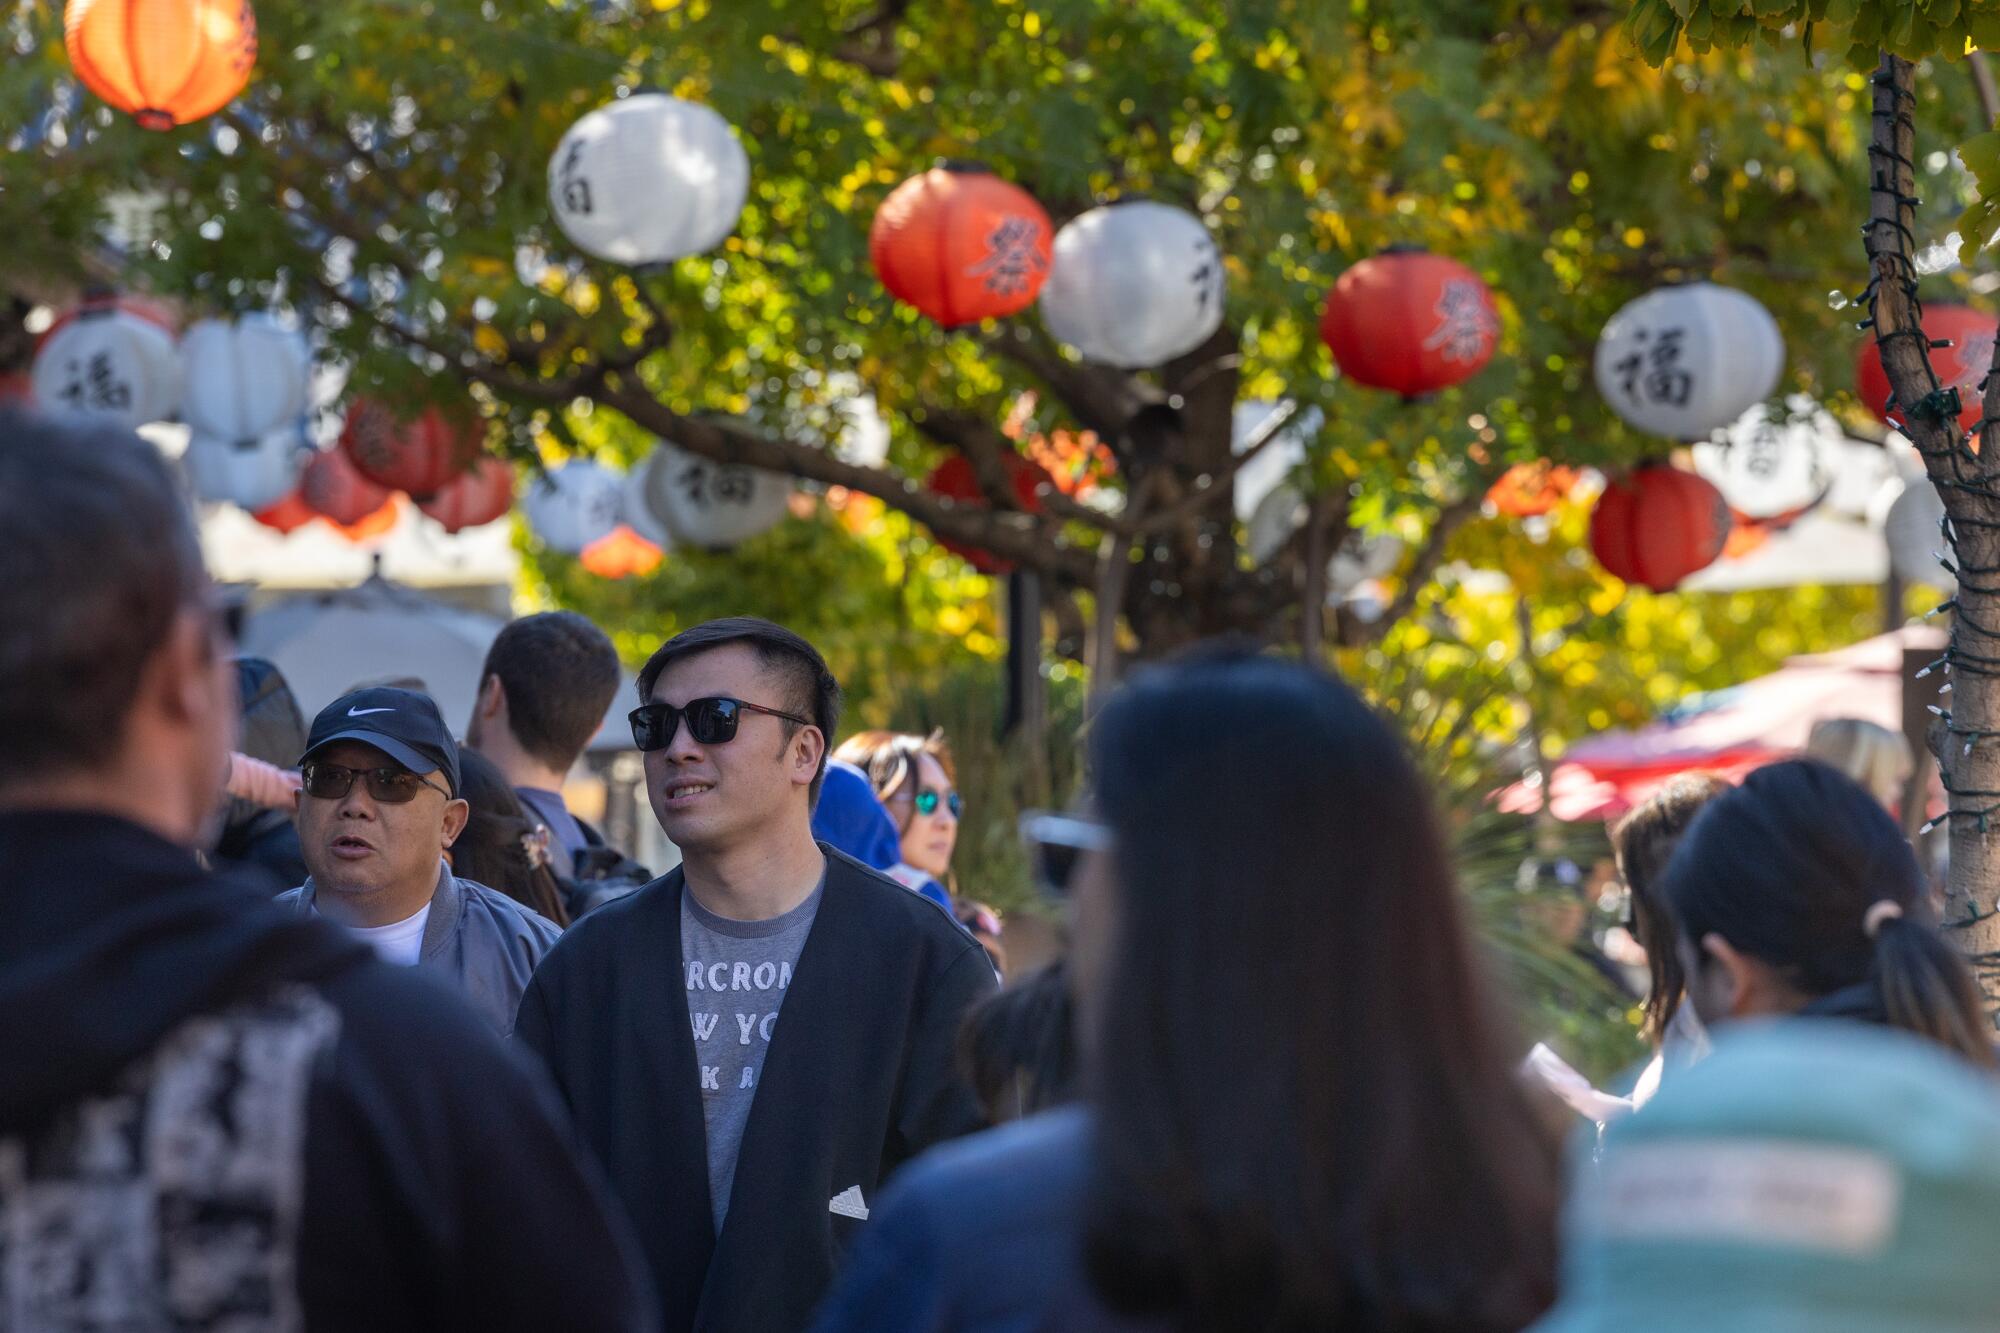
[1363,558]
[253,473]
[648,179]
[1277,516]
[108,365]
[637,510]
[712,505]
[573,505]
[1915,533]
[1766,466]
[1134,284]
[1683,362]
[244,378]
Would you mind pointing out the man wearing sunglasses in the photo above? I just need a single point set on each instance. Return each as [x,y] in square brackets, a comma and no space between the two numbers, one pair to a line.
[754,1042]
[378,809]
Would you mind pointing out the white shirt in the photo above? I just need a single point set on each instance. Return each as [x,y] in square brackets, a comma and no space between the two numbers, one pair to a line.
[399,941]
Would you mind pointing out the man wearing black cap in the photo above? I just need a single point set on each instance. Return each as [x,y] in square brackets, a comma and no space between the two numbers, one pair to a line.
[378,809]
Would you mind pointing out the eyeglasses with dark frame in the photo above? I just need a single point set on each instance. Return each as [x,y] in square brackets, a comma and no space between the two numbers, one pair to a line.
[711,721]
[1056,844]
[925,802]
[390,786]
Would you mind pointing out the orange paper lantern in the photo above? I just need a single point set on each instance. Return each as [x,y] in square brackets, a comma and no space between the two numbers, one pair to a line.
[288,515]
[1529,490]
[1658,525]
[620,554]
[334,489]
[1961,366]
[961,245]
[374,524]
[1409,321]
[166,62]
[955,480]
[418,455]
[472,498]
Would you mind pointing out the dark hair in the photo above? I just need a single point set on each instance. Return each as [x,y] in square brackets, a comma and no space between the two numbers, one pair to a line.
[1643,841]
[1017,1047]
[495,848]
[106,559]
[1786,868]
[560,673]
[1306,1113]
[809,685]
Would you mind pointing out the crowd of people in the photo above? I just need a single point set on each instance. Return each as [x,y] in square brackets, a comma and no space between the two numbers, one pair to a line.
[353,1024]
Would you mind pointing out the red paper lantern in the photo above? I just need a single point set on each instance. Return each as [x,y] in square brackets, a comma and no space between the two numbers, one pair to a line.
[374,524]
[1529,490]
[955,480]
[472,498]
[961,245]
[336,490]
[288,515]
[1410,321]
[165,62]
[620,554]
[418,455]
[1658,525]
[1961,366]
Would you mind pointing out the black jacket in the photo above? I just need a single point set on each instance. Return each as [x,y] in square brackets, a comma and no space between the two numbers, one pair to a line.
[859,1078]
[292,1129]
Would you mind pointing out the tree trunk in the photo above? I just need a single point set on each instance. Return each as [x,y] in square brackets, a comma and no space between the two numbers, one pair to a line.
[1967,741]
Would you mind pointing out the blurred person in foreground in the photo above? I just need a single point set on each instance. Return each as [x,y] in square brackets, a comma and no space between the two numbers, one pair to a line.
[1796,893]
[755,1041]
[379,808]
[1297,1109]
[504,846]
[214,1114]
[1809,1175]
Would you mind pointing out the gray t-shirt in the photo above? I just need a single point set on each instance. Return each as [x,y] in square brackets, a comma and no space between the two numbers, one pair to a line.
[736,974]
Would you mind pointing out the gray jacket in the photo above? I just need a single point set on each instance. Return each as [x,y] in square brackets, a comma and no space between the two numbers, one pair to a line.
[484,942]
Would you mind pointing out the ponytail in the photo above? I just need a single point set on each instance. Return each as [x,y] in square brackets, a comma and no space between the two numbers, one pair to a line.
[1926,988]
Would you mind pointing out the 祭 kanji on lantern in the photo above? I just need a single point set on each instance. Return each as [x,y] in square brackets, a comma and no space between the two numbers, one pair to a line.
[621,554]
[416,454]
[163,62]
[111,361]
[961,245]
[712,505]
[1657,525]
[1683,362]
[955,479]
[252,473]
[244,378]
[1134,284]
[335,488]
[571,506]
[473,498]
[1961,366]
[1409,321]
[648,179]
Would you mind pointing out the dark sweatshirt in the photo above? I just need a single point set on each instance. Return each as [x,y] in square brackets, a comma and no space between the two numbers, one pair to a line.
[212,1111]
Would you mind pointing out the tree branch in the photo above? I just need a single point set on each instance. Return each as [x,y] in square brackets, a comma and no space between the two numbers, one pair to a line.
[1429,556]
[1101,399]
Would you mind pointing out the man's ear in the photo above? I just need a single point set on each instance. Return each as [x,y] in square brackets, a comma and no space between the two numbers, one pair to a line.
[492,697]
[808,749]
[456,812]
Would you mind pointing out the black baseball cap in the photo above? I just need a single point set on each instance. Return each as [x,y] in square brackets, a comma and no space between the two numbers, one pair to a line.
[402,724]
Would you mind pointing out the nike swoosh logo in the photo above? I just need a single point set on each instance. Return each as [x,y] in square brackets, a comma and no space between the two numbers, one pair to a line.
[364,712]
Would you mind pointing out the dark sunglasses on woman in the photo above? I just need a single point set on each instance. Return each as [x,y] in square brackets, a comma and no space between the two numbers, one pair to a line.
[710,721]
[390,786]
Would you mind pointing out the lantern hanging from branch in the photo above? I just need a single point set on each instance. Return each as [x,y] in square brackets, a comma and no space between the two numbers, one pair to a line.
[244,378]
[648,179]
[1134,284]
[253,474]
[164,62]
[1685,361]
[636,510]
[418,454]
[336,489]
[571,506]
[712,505]
[1410,322]
[961,245]
[112,361]
[1961,366]
[1767,466]
[287,515]
[1529,490]
[954,479]
[1658,525]
[472,499]
[621,554]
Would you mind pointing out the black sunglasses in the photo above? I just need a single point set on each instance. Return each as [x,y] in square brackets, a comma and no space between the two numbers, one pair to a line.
[710,721]
[391,786]
[1056,844]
